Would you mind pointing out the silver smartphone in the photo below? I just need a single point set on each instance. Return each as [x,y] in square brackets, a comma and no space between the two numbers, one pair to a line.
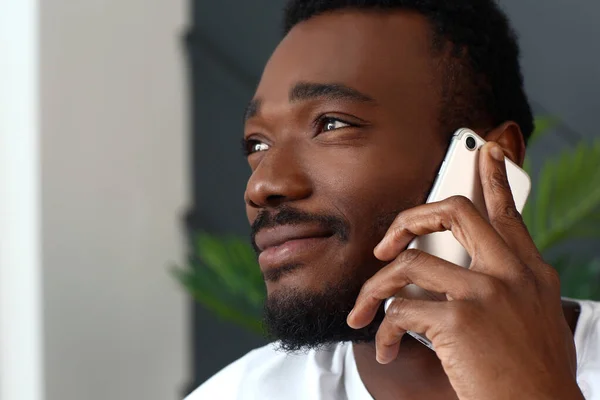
[459,175]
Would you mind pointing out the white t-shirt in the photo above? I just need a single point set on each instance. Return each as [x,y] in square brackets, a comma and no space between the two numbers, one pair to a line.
[331,374]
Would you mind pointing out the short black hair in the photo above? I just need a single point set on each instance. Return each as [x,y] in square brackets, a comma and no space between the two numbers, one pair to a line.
[482,83]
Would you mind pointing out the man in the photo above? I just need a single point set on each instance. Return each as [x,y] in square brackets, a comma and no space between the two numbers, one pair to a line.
[346,132]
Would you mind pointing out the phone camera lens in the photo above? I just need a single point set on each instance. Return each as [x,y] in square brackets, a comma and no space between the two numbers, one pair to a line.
[471,143]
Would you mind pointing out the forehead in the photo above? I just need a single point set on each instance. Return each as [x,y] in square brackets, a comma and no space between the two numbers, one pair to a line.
[380,53]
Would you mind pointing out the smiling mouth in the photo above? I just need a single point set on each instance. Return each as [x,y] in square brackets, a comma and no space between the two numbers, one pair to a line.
[283,248]
[282,234]
[277,261]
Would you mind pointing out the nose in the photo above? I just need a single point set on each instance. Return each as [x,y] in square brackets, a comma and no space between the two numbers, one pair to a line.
[279,178]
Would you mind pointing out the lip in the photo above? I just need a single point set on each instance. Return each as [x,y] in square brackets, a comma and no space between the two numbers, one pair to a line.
[282,247]
[275,237]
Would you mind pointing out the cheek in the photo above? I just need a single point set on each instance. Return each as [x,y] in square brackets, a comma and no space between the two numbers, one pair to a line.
[370,189]
[366,184]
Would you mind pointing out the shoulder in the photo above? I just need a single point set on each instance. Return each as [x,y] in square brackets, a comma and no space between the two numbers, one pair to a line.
[587,342]
[227,382]
[587,331]
[270,372]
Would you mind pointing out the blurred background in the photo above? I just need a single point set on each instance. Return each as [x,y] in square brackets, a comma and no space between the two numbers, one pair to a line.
[120,124]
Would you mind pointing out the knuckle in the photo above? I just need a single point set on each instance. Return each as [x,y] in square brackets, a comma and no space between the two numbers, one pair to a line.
[525,279]
[399,231]
[382,334]
[388,333]
[508,215]
[498,180]
[460,315]
[395,309]
[365,289]
[368,289]
[408,258]
[537,258]
[514,214]
[552,278]
[459,203]
[492,288]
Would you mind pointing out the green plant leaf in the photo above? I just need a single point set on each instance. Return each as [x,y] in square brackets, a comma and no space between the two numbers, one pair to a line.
[237,270]
[580,279]
[215,303]
[567,202]
[224,277]
[542,125]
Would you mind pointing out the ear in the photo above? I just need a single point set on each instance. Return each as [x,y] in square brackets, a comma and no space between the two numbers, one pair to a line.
[510,138]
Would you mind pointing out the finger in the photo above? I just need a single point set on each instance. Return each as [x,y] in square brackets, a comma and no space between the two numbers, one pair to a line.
[456,214]
[422,269]
[408,315]
[500,204]
[387,342]
[490,254]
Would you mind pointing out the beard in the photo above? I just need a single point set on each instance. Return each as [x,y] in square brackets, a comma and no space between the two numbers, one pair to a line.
[305,320]
[302,319]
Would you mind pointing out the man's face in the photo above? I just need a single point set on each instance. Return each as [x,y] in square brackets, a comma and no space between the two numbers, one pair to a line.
[343,133]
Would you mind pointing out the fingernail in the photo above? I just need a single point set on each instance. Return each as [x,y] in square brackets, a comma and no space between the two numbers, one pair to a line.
[497,153]
[381,359]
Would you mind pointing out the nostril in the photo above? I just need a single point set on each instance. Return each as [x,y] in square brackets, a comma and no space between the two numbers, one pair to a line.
[275,199]
[252,204]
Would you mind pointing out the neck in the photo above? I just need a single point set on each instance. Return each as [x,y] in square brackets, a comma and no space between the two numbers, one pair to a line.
[417,372]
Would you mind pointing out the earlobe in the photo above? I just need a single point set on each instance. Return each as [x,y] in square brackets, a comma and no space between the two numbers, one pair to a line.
[509,136]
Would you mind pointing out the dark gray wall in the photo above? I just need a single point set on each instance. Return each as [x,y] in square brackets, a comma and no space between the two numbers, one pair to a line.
[561,58]
[227,46]
[231,41]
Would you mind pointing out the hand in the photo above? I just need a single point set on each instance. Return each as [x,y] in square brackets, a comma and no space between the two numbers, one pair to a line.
[502,334]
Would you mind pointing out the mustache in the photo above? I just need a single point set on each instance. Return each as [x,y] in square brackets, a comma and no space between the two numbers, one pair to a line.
[286,215]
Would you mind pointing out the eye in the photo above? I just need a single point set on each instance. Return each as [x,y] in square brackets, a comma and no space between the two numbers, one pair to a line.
[327,124]
[251,146]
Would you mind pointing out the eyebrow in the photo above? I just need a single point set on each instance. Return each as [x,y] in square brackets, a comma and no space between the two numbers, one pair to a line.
[252,109]
[304,91]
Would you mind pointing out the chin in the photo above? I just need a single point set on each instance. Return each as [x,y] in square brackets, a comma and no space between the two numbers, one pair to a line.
[301,320]
[306,309]
[298,277]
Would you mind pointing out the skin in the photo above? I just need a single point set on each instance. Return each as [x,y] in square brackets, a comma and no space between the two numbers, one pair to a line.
[382,159]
